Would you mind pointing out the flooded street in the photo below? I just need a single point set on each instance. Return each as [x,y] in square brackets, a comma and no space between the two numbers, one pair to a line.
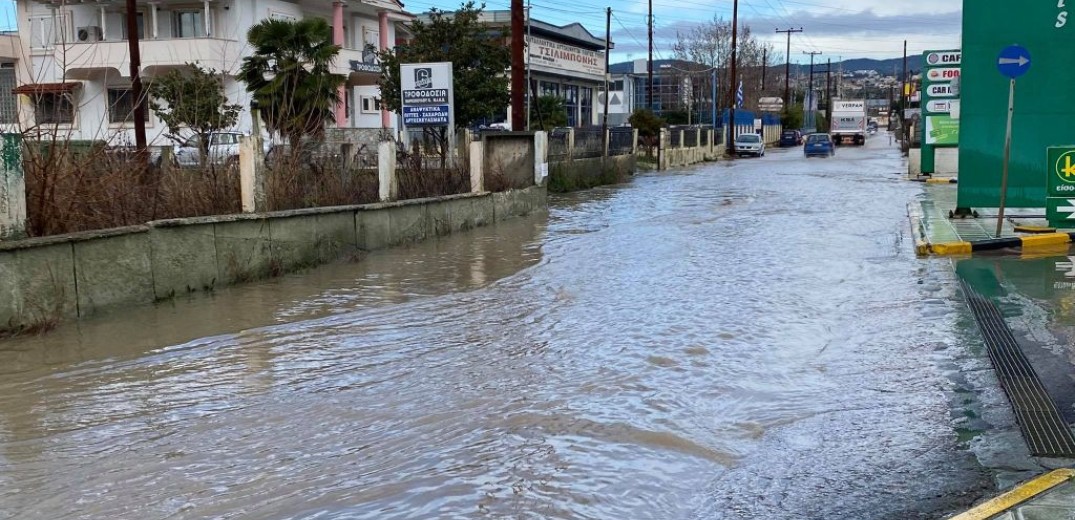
[746,339]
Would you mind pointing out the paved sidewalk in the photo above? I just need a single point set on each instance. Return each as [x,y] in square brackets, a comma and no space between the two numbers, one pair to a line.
[935,232]
[1049,497]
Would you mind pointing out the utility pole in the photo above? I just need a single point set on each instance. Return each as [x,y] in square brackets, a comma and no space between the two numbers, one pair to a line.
[903,103]
[764,66]
[787,66]
[136,84]
[808,100]
[608,38]
[828,93]
[735,33]
[518,66]
[649,63]
[529,89]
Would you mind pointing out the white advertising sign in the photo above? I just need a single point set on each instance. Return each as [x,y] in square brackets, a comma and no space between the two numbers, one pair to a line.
[427,94]
[944,59]
[939,106]
[943,74]
[941,90]
[559,56]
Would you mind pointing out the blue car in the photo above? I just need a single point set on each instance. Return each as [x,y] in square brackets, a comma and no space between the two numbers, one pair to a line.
[819,145]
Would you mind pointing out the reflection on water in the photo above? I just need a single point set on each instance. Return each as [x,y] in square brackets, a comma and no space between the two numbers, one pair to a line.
[681,347]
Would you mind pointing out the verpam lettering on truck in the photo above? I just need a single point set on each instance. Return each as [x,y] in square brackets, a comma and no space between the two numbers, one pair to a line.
[1062,14]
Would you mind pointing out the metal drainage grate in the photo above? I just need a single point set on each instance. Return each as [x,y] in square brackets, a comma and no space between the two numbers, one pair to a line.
[1043,427]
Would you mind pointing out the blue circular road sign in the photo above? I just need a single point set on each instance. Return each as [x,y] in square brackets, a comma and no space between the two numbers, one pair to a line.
[1013,61]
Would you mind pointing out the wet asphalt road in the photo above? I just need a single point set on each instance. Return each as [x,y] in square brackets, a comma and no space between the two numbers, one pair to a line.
[744,339]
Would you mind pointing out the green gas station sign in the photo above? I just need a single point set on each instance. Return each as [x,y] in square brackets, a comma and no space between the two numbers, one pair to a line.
[1043,114]
[1060,185]
[941,130]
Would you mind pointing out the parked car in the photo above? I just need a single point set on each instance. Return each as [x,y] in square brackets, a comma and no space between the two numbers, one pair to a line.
[789,138]
[223,150]
[749,144]
[819,145]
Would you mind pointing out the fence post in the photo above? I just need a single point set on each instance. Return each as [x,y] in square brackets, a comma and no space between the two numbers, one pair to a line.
[662,146]
[477,160]
[252,175]
[634,141]
[608,140]
[387,182]
[541,157]
[570,144]
[12,190]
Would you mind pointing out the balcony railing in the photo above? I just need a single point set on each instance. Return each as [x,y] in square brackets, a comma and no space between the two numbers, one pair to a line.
[223,55]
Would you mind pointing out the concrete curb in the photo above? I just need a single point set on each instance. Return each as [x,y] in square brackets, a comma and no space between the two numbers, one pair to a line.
[931,180]
[1026,244]
[1021,494]
[1029,243]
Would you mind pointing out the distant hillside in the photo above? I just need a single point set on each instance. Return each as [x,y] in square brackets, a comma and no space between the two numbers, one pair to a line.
[914,64]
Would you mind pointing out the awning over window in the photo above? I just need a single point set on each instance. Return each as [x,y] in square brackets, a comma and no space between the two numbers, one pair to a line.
[47,88]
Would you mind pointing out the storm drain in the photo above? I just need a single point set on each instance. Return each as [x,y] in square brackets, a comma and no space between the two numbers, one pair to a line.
[1043,427]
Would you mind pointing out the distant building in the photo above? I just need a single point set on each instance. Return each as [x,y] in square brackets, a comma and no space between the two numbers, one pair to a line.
[562,60]
[678,86]
[77,76]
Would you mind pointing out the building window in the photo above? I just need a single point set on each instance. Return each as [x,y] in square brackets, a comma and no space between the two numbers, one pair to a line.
[51,108]
[371,105]
[189,24]
[9,112]
[586,104]
[120,106]
[571,103]
[549,88]
[140,19]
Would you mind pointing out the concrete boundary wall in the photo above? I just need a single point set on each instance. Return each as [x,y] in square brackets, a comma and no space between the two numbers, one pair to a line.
[43,280]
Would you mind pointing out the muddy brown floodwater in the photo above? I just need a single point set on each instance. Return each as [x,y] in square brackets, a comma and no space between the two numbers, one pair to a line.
[738,340]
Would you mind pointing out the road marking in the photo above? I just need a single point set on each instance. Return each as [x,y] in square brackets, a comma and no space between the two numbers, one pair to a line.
[1017,496]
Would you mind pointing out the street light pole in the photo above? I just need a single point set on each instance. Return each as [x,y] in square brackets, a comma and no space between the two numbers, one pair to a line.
[731,112]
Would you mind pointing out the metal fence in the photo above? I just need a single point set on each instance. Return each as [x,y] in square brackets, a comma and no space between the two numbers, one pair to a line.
[558,144]
[621,141]
[589,142]
[675,138]
[690,138]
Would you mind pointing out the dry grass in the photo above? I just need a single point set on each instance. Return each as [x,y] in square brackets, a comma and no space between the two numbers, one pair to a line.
[73,186]
[422,176]
[76,189]
[303,181]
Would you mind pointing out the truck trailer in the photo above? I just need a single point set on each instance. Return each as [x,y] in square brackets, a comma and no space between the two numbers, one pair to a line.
[849,122]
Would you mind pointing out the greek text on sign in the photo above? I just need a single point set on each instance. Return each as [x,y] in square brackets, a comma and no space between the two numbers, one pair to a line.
[435,115]
[941,90]
[939,106]
[944,59]
[550,54]
[436,96]
[943,74]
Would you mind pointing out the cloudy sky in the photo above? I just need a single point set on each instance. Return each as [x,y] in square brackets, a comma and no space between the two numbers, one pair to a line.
[838,28]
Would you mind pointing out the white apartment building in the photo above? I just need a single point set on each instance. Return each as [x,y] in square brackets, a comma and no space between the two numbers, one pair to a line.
[75,71]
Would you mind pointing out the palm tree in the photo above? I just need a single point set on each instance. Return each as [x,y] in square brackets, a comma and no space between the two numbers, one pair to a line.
[290,76]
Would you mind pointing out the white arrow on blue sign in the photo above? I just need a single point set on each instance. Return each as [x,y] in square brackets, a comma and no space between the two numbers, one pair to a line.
[1013,61]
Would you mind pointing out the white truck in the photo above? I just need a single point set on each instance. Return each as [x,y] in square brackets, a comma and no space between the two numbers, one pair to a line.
[849,121]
